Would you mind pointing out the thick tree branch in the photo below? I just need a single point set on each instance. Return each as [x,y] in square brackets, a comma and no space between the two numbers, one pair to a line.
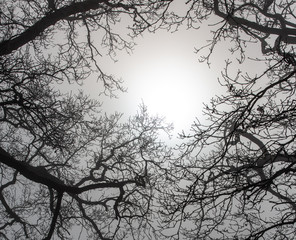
[40,175]
[232,20]
[55,216]
[8,46]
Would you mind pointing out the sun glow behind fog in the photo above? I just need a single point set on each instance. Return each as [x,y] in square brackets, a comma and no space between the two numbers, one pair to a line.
[169,88]
[165,74]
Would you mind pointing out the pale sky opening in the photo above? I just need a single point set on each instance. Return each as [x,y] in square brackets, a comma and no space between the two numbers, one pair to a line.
[170,85]
[164,74]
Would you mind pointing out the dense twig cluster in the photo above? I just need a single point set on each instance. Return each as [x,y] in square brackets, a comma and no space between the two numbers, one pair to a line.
[238,172]
[67,169]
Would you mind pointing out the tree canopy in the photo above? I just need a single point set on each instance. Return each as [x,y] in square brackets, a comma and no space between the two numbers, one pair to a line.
[67,169]
[237,170]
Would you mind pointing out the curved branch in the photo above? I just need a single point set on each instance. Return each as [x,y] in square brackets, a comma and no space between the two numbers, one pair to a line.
[259,143]
[55,216]
[92,222]
[236,21]
[266,157]
[13,214]
[8,46]
[40,175]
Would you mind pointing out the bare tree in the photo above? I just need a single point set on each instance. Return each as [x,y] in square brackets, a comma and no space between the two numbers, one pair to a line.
[63,39]
[236,175]
[100,181]
[66,169]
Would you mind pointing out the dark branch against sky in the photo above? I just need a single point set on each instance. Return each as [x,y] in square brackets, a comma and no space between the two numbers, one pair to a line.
[67,163]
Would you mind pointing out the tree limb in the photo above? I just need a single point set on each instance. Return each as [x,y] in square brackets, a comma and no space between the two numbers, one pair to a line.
[232,20]
[36,174]
[55,216]
[8,46]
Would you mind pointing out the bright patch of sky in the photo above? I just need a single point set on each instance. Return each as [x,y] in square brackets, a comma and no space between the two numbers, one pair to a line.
[164,73]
